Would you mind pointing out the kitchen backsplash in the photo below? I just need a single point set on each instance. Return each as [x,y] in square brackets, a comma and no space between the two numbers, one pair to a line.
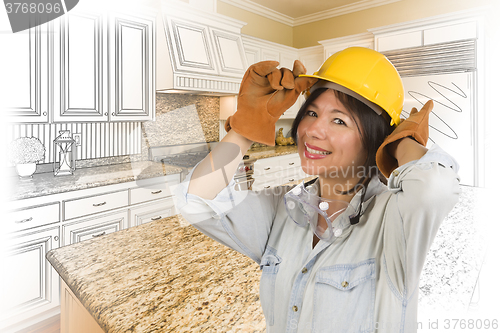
[180,119]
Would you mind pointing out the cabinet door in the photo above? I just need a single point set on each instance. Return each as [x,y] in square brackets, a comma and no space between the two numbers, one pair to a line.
[152,211]
[252,54]
[80,73]
[132,76]
[93,227]
[231,54]
[24,67]
[192,51]
[29,285]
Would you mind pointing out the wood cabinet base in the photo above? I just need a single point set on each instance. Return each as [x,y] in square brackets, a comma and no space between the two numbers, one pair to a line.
[74,317]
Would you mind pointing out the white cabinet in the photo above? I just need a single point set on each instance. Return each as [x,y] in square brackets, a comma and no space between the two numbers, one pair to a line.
[80,67]
[275,171]
[152,211]
[29,284]
[132,67]
[29,293]
[93,227]
[24,67]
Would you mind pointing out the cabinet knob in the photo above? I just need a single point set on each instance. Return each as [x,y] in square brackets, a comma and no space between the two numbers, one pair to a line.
[105,113]
[56,238]
[45,113]
[113,114]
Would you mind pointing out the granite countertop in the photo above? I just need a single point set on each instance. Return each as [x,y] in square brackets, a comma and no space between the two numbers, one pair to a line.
[46,183]
[268,151]
[163,276]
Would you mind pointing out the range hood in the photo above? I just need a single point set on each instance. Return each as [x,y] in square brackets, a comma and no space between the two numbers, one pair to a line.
[198,52]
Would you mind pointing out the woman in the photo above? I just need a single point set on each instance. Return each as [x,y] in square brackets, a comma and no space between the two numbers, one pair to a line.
[344,252]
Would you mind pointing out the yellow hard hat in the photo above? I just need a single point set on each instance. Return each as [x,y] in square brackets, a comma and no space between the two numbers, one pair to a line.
[368,75]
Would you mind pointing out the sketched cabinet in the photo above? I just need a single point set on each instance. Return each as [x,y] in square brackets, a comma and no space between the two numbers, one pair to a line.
[131,67]
[104,67]
[29,284]
[80,68]
[24,68]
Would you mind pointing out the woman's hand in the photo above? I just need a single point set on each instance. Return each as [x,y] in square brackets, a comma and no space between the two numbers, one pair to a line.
[407,142]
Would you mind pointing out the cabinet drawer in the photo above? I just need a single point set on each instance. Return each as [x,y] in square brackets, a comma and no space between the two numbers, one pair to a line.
[91,228]
[266,166]
[152,211]
[148,193]
[94,204]
[292,161]
[31,217]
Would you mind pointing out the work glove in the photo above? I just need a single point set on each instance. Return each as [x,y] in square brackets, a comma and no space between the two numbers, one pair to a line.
[266,92]
[415,126]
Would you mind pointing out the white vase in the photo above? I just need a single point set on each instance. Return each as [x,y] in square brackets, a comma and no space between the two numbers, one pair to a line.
[26,170]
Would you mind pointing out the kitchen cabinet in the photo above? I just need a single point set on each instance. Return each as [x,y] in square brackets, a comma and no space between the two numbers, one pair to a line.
[25,94]
[275,171]
[93,227]
[84,67]
[132,67]
[80,67]
[29,284]
[37,225]
[205,51]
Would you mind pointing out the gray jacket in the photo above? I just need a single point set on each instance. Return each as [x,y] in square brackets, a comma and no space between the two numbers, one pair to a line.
[367,279]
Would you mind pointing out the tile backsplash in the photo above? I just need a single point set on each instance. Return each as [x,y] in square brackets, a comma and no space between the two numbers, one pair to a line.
[180,119]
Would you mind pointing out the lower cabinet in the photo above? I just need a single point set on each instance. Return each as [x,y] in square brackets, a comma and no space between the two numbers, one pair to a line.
[152,211]
[275,171]
[29,285]
[93,227]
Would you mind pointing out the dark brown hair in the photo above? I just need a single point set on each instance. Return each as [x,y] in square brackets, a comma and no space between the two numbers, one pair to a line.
[373,129]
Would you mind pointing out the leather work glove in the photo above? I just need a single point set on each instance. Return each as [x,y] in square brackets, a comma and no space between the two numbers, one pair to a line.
[415,126]
[266,92]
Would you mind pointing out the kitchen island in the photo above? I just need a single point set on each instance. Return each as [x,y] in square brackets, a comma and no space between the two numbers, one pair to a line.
[163,276]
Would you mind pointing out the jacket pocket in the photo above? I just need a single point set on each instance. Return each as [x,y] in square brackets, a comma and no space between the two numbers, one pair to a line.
[269,265]
[344,298]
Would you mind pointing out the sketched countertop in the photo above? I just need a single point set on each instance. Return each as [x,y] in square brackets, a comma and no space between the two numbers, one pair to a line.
[45,183]
[162,276]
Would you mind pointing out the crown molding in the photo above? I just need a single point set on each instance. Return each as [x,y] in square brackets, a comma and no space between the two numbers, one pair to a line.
[290,21]
[261,10]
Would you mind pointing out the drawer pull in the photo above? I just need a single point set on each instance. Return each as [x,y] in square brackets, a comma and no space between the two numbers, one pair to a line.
[156,192]
[291,180]
[291,163]
[99,234]
[268,186]
[25,220]
[156,218]
[99,204]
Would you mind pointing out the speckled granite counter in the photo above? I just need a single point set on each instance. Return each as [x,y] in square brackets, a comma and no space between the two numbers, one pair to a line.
[268,151]
[164,276]
[45,183]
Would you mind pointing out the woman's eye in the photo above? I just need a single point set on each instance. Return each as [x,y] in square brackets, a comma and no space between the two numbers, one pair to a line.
[338,121]
[311,113]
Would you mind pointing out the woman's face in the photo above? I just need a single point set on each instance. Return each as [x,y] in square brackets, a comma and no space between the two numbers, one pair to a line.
[329,142]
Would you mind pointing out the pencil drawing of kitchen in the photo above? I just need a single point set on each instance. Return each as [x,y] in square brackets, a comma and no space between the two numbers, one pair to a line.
[111,105]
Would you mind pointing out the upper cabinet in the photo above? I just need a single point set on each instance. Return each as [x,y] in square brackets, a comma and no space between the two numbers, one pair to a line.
[24,94]
[204,51]
[80,67]
[132,67]
[84,67]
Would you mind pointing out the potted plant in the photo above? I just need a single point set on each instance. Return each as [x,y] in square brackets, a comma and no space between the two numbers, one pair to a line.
[24,153]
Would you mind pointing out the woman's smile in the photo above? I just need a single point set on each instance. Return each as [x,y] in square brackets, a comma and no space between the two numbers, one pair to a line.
[314,152]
